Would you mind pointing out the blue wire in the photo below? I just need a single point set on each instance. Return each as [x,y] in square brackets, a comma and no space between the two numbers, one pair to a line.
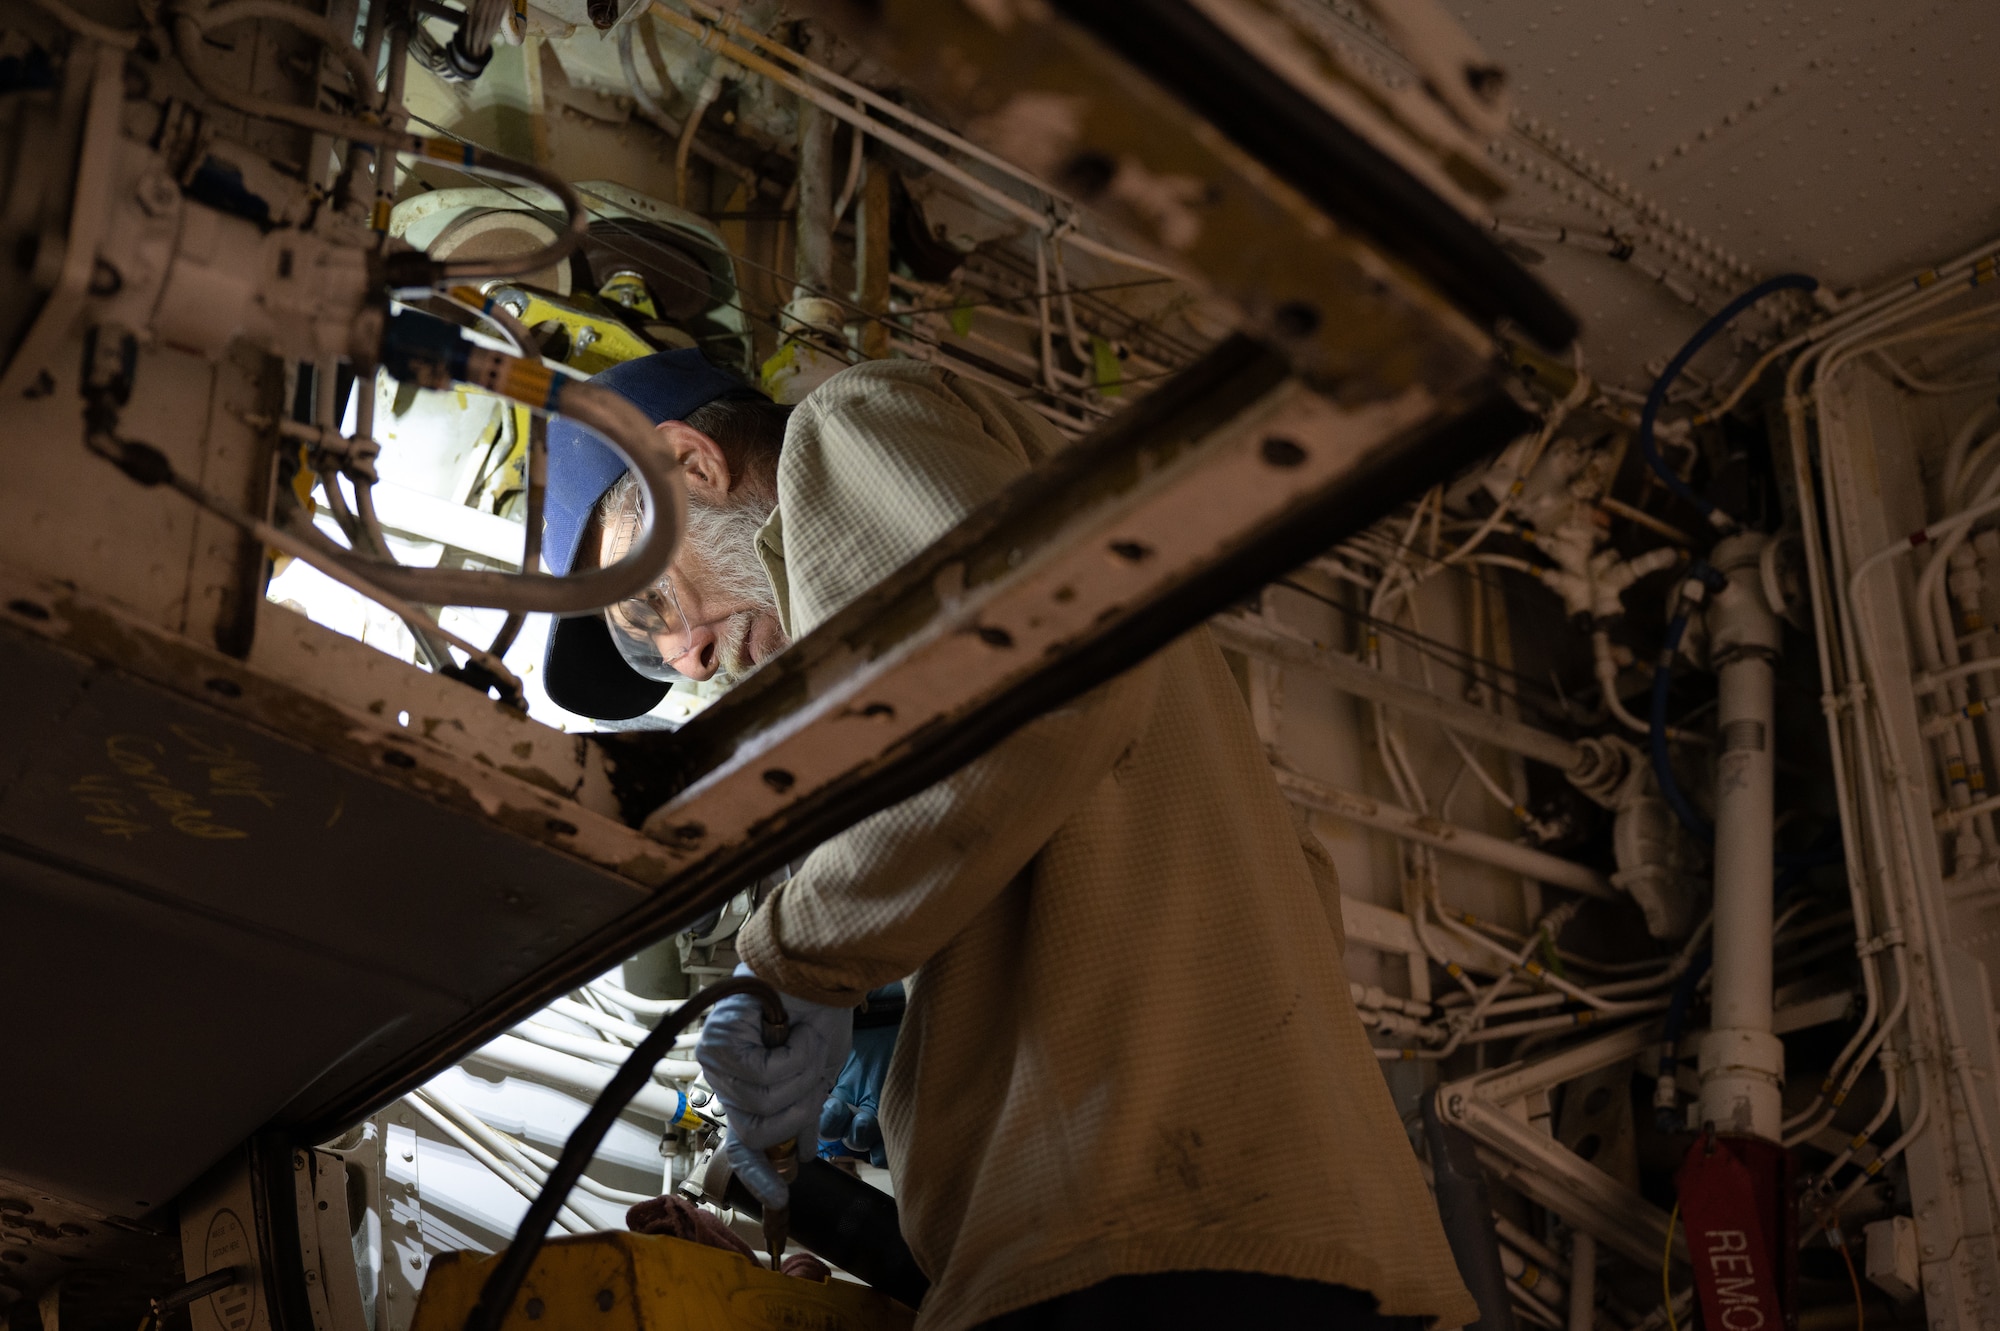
[1656,399]
[1663,677]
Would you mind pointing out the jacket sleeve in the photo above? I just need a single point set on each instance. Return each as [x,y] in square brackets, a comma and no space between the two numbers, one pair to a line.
[874,903]
[875,470]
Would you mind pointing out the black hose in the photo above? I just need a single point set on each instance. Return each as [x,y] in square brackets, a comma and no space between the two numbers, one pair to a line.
[1678,1008]
[1701,580]
[1657,398]
[501,1288]
[1465,1205]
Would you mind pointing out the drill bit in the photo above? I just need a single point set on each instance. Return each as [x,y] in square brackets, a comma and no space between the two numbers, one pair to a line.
[784,1158]
[778,1219]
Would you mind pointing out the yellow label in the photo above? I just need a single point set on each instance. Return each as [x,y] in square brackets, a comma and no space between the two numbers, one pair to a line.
[527,381]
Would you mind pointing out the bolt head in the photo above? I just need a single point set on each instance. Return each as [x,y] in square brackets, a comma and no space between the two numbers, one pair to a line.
[158,194]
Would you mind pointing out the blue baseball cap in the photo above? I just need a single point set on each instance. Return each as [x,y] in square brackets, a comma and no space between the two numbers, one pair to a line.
[582,668]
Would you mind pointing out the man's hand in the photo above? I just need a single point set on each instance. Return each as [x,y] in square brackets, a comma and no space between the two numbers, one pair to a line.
[771,1096]
[848,1120]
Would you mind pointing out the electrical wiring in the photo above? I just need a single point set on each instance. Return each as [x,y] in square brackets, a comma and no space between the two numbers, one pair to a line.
[1059,291]
[1937,281]
[1438,650]
[1578,393]
[1863,668]
[1854,1278]
[564,1216]
[1649,414]
[903,339]
[709,35]
[631,1002]
[405,270]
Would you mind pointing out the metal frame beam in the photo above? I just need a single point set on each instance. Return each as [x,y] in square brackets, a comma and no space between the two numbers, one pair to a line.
[1232,474]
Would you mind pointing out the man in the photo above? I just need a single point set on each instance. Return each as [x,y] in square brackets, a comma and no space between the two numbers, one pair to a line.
[1130,1087]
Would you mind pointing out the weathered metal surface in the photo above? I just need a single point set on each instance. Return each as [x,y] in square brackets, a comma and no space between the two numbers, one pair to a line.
[225,901]
[1172,177]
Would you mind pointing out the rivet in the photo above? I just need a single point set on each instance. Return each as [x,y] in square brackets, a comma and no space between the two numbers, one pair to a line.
[1296,318]
[1283,452]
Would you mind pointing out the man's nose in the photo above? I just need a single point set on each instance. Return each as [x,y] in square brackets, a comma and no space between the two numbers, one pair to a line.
[700,652]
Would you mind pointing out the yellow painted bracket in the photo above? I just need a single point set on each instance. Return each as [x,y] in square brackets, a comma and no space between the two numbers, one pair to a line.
[647,1282]
[597,341]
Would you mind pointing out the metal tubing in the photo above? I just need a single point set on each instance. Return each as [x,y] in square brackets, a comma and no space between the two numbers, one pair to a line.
[1742,1062]
[813,264]
[1351,677]
[512,1054]
[1582,1281]
[1460,841]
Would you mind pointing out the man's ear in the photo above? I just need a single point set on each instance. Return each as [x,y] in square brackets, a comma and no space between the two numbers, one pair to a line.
[708,475]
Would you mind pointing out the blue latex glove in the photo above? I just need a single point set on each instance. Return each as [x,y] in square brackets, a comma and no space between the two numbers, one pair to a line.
[848,1119]
[771,1096]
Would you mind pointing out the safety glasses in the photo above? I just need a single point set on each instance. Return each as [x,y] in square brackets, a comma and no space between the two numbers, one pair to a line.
[641,624]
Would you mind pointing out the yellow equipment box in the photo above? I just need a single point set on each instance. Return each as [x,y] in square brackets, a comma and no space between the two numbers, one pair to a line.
[647,1282]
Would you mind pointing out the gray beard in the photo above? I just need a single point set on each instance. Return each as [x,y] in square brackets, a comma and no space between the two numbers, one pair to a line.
[724,541]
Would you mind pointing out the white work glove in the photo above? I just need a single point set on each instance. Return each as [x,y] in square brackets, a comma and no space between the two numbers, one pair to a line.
[771,1096]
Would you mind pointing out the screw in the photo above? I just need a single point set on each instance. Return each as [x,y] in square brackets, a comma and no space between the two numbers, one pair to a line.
[584,337]
[158,194]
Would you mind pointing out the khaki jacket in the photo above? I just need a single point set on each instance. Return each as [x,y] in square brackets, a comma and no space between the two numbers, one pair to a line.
[1129,1045]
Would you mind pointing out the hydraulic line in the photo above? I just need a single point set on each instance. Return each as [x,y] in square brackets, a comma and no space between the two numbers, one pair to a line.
[1860,650]
[511,1271]
[431,353]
